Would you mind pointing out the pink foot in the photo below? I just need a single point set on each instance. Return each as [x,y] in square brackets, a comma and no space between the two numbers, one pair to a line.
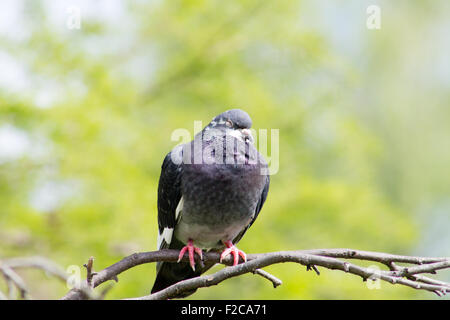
[191,249]
[231,249]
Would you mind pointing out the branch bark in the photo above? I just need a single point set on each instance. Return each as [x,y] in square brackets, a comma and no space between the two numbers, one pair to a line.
[334,259]
[410,274]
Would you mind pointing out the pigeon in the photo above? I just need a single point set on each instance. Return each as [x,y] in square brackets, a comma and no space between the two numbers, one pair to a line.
[210,192]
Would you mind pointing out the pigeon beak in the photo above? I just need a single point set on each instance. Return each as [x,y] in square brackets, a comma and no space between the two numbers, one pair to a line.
[247,134]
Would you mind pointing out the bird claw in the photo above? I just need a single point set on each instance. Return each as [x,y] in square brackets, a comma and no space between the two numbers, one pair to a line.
[191,249]
[231,249]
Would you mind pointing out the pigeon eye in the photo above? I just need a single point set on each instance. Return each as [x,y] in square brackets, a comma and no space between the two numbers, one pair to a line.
[229,123]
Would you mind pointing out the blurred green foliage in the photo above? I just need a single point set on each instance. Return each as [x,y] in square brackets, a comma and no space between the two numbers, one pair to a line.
[362,114]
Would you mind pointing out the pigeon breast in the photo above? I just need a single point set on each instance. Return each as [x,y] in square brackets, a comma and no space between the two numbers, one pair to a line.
[220,186]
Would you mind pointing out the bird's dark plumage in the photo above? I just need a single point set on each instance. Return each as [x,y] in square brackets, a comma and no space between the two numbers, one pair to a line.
[210,192]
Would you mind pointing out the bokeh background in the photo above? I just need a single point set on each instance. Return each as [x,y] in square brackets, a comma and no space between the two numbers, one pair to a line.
[363,115]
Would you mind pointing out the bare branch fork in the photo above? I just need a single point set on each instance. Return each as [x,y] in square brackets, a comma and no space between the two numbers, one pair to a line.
[9,267]
[334,259]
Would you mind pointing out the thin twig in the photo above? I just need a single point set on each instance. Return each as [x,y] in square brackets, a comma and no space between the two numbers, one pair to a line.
[313,267]
[419,278]
[12,277]
[46,265]
[37,262]
[275,281]
[89,271]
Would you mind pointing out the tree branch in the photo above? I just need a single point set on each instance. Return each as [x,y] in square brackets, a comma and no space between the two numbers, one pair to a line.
[334,259]
[275,281]
[9,266]
[13,280]
[411,275]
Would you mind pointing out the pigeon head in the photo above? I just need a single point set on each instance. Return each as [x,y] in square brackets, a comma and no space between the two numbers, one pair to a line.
[235,121]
